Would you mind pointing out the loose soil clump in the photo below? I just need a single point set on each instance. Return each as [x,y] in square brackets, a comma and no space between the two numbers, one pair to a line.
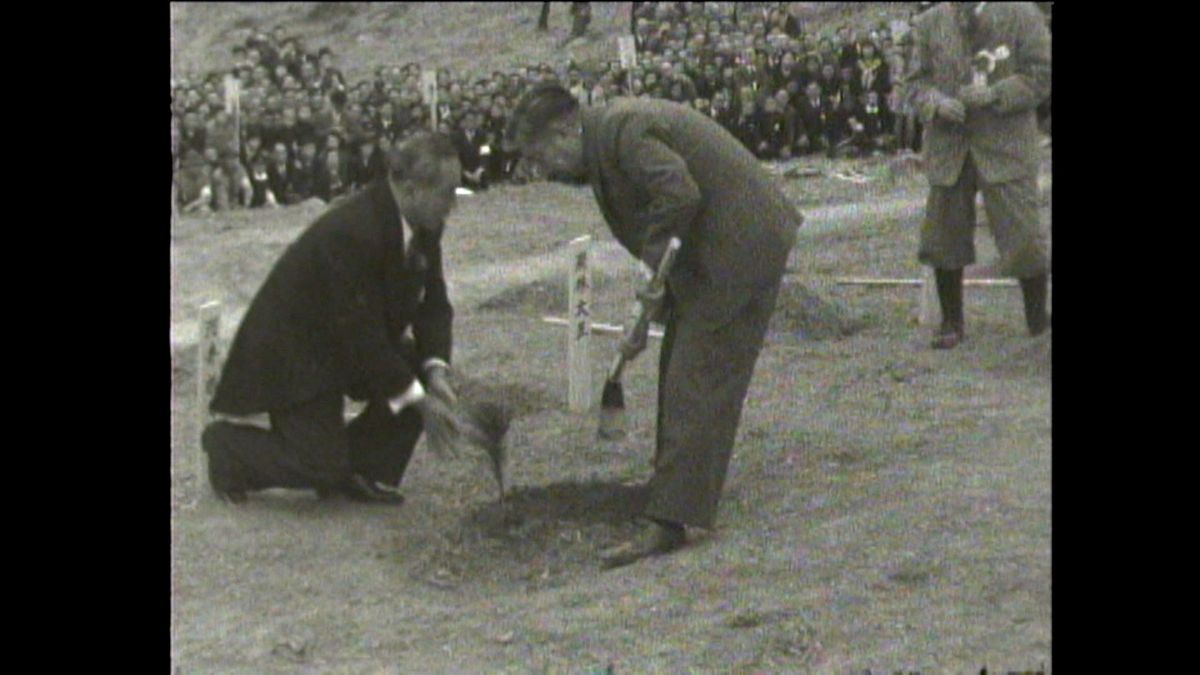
[545,296]
[803,313]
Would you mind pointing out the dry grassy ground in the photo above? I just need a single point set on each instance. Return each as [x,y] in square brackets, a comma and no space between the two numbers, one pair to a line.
[888,506]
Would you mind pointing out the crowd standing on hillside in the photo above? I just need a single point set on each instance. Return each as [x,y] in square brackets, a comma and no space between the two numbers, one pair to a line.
[301,130]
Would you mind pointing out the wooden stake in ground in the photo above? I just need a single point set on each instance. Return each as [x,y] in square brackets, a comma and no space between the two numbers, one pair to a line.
[208,369]
[579,308]
[429,90]
[612,400]
[627,52]
[930,308]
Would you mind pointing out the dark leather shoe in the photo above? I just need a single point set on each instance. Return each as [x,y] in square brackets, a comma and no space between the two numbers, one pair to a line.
[655,538]
[948,336]
[362,489]
[222,477]
[1037,327]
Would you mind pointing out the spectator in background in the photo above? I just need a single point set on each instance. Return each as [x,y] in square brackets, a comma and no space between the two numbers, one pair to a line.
[192,133]
[868,128]
[338,162]
[872,72]
[830,83]
[302,182]
[982,137]
[364,162]
[581,16]
[260,182]
[331,79]
[774,128]
[194,182]
[907,130]
[848,48]
[746,127]
[696,56]
[468,142]
[232,182]
[722,109]
[279,167]
[814,120]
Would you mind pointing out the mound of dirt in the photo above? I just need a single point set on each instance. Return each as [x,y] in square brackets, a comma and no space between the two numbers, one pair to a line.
[538,538]
[543,296]
[806,314]
[541,509]
[903,166]
[514,399]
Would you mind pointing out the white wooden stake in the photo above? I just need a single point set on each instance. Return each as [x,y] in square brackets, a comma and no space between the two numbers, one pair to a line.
[208,369]
[579,310]
[930,310]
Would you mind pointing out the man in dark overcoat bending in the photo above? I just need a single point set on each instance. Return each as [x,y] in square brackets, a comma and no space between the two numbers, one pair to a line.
[333,320]
[661,170]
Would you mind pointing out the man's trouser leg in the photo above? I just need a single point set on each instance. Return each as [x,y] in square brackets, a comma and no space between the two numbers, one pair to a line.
[381,444]
[708,356]
[948,245]
[305,447]
[310,446]
[1013,218]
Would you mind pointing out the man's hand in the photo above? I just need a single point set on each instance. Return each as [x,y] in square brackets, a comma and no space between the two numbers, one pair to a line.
[952,110]
[634,340]
[441,426]
[439,385]
[976,96]
[653,302]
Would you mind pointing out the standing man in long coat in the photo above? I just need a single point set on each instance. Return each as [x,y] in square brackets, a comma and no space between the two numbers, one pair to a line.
[329,322]
[661,170]
[978,72]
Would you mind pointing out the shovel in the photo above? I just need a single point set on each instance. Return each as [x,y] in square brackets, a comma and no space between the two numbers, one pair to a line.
[612,399]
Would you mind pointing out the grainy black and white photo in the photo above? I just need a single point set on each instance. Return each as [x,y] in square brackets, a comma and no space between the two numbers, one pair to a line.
[610,337]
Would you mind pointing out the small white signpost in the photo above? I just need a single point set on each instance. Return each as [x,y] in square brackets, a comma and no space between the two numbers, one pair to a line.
[429,92]
[579,313]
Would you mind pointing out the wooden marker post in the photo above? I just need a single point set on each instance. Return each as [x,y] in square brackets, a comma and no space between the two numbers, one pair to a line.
[429,91]
[930,308]
[208,369]
[627,51]
[579,309]
[233,106]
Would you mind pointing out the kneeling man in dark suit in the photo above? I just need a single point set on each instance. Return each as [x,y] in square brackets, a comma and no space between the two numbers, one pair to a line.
[356,307]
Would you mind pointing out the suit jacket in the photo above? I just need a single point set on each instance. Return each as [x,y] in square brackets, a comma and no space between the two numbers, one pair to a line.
[468,149]
[1002,138]
[811,120]
[777,129]
[331,314]
[301,184]
[278,182]
[660,169]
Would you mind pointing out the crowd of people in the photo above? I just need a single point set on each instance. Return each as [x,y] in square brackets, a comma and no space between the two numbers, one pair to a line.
[300,130]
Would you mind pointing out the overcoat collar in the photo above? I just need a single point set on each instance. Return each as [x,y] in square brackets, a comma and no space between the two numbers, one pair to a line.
[589,120]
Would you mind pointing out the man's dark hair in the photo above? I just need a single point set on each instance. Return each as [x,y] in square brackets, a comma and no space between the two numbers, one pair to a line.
[537,109]
[419,157]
